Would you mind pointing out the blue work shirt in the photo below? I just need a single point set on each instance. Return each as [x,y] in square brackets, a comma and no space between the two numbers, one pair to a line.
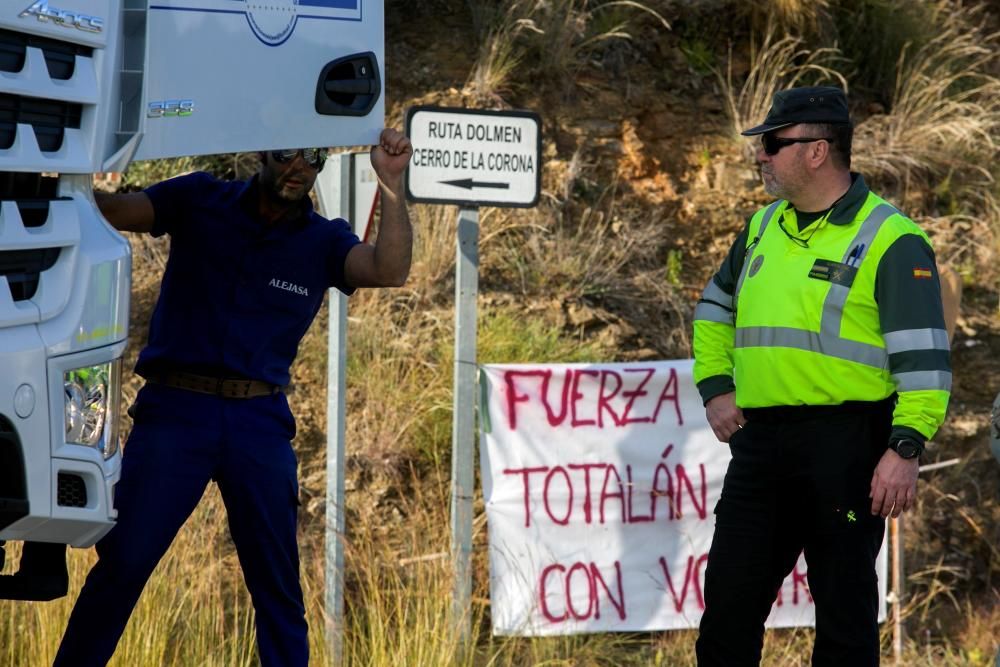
[238,293]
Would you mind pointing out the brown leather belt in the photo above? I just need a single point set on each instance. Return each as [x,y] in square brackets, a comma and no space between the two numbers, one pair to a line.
[224,387]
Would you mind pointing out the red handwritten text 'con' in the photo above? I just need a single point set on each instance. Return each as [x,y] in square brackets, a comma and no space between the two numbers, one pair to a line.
[560,581]
[577,592]
[611,398]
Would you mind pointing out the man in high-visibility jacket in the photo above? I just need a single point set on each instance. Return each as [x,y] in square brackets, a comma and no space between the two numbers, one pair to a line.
[822,358]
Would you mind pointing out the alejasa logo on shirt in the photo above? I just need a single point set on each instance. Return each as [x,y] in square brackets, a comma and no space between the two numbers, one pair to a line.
[289,287]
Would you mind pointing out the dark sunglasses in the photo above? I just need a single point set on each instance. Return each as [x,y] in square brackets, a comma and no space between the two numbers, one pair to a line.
[773,144]
[314,157]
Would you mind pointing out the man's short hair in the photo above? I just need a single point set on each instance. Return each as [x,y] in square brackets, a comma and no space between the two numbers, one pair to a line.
[841,136]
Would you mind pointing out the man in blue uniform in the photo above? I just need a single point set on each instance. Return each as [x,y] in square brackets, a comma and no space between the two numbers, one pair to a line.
[248,267]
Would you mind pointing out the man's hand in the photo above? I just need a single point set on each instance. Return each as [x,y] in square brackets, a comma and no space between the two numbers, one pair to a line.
[723,416]
[387,263]
[894,484]
[390,157]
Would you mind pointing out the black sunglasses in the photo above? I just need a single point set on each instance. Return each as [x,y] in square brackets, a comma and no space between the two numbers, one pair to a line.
[314,157]
[773,144]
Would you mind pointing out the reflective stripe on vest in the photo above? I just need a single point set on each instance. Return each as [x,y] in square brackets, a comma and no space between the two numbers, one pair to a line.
[827,341]
[768,214]
[711,312]
[811,341]
[833,306]
[715,305]
[923,381]
[714,293]
[908,340]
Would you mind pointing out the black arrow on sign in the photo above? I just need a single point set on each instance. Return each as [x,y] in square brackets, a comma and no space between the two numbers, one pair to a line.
[468,184]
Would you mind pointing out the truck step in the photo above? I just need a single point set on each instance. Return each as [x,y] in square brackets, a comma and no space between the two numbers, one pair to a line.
[42,575]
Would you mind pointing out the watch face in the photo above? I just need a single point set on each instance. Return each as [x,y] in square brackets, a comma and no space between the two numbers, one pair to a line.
[907,449]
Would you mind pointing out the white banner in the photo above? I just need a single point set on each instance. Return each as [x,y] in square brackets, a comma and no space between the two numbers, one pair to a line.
[600,482]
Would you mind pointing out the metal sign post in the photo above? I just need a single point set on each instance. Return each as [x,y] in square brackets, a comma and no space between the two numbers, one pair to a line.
[471,158]
[345,189]
[898,592]
[463,432]
[336,434]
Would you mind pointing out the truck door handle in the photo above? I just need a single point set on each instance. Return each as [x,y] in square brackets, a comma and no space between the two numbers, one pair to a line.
[348,86]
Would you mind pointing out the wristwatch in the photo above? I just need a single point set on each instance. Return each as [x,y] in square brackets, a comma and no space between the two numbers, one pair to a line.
[906,448]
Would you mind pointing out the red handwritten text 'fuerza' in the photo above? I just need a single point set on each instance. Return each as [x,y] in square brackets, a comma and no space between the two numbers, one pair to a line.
[612,399]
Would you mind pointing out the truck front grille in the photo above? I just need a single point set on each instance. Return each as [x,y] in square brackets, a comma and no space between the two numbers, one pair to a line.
[33,194]
[49,119]
[22,269]
[71,490]
[60,57]
[22,185]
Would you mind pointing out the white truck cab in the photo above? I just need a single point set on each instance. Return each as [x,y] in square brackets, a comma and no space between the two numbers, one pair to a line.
[87,86]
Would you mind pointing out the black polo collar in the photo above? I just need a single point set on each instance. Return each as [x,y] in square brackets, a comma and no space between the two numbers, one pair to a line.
[847,208]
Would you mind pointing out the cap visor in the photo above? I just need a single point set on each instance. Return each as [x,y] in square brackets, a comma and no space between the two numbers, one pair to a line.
[766,127]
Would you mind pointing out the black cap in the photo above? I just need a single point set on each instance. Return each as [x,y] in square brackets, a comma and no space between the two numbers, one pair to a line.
[816,104]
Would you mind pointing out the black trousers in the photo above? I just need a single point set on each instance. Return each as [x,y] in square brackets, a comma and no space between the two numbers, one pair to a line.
[799,480]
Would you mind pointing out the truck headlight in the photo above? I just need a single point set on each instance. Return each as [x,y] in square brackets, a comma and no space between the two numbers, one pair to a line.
[92,396]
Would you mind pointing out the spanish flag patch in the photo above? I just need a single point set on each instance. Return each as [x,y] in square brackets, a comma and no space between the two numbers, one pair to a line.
[922,273]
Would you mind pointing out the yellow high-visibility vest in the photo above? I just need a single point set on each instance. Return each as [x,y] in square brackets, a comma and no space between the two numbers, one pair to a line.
[802,326]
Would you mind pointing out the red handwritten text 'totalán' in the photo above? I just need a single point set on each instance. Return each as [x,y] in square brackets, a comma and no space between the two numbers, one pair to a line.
[599,493]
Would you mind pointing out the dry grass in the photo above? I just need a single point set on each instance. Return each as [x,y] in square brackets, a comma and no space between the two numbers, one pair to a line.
[194,610]
[778,63]
[934,148]
[553,39]
[434,229]
[798,16]
[398,604]
[500,53]
[945,111]
[569,30]
[966,242]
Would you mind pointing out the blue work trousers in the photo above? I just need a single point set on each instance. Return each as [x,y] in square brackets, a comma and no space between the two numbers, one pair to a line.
[181,440]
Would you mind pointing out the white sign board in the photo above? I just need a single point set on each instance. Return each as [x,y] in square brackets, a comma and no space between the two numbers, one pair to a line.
[223,76]
[474,158]
[600,483]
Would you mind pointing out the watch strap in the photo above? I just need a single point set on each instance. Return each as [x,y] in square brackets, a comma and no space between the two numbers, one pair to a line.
[895,443]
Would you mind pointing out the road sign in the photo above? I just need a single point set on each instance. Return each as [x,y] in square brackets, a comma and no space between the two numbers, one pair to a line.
[472,157]
[357,178]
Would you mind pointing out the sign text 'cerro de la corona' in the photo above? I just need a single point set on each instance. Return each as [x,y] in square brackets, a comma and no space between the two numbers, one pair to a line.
[474,157]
